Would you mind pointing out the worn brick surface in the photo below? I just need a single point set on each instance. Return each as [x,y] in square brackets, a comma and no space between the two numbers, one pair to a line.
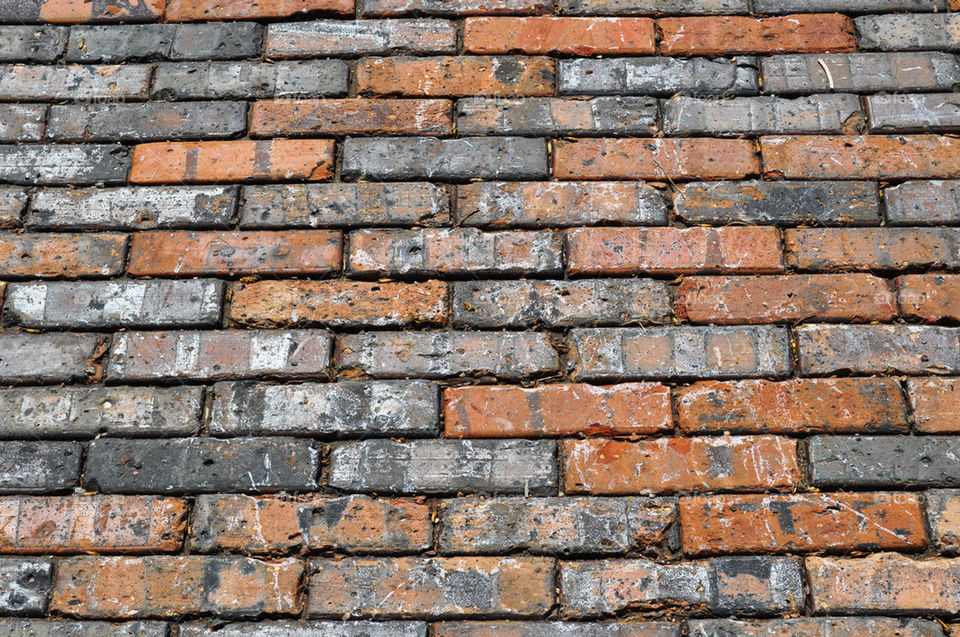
[242,80]
[908,349]
[658,76]
[923,203]
[351,117]
[929,298]
[73,82]
[909,32]
[237,9]
[936,404]
[745,115]
[145,122]
[13,203]
[725,35]
[116,43]
[59,164]
[22,122]
[358,628]
[39,467]
[883,461]
[943,513]
[47,358]
[367,37]
[26,585]
[74,628]
[23,42]
[859,72]
[49,255]
[816,627]
[580,36]
[926,112]
[455,76]
[549,115]
[551,628]
[838,249]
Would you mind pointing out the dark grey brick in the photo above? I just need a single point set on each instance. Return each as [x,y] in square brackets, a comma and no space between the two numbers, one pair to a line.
[351,408]
[445,159]
[846,6]
[359,37]
[859,72]
[445,466]
[201,465]
[25,585]
[60,164]
[780,203]
[22,122]
[870,462]
[39,467]
[644,7]
[45,358]
[105,304]
[551,116]
[29,43]
[923,203]
[878,349]
[216,41]
[830,113]
[13,201]
[308,629]
[77,83]
[658,76]
[931,111]
[126,42]
[66,628]
[909,32]
[245,80]
[146,122]
[55,412]
[823,626]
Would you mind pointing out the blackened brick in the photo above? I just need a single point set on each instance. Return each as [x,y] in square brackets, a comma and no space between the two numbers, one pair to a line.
[23,43]
[146,122]
[876,462]
[39,467]
[657,76]
[64,164]
[121,43]
[246,80]
[24,585]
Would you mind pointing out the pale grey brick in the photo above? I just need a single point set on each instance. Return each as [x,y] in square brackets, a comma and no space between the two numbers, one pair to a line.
[644,7]
[545,628]
[359,37]
[859,72]
[39,467]
[45,358]
[25,584]
[846,6]
[146,122]
[551,116]
[124,42]
[461,7]
[60,164]
[22,122]
[246,80]
[876,462]
[308,629]
[66,628]
[13,201]
[923,203]
[31,43]
[830,113]
[931,111]
[878,349]
[658,76]
[823,626]
[103,83]
[909,32]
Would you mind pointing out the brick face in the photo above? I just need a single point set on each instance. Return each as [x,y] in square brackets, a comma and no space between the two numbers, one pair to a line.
[787,34]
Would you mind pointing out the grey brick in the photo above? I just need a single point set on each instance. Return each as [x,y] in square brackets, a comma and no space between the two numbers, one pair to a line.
[45,358]
[909,32]
[104,83]
[859,72]
[25,584]
[308,629]
[869,462]
[545,628]
[445,159]
[29,43]
[461,7]
[216,40]
[923,203]
[39,467]
[444,353]
[937,112]
[60,164]
[846,6]
[359,37]
[822,626]
[780,203]
[22,122]
[830,113]
[125,42]
[13,201]
[944,530]
[84,412]
[350,408]
[445,466]
[66,628]
[105,304]
[24,11]
[246,80]
[497,304]
[146,122]
[201,465]
[644,7]
[658,76]
[550,116]
[878,349]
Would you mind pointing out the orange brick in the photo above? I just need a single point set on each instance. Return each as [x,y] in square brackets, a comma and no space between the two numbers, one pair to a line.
[62,255]
[339,302]
[181,10]
[67,11]
[930,297]
[556,410]
[230,253]
[723,35]
[936,404]
[691,158]
[200,162]
[351,117]
[577,36]
[833,249]
[456,76]
[668,465]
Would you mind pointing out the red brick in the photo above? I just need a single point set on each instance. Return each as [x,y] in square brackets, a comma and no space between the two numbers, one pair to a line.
[930,297]
[936,404]
[788,298]
[201,162]
[861,157]
[796,406]
[62,255]
[351,117]
[833,249]
[456,76]
[693,158]
[801,522]
[67,11]
[672,250]
[170,586]
[81,524]
[339,302]
[668,465]
[232,253]
[578,36]
[461,7]
[556,410]
[723,35]
[181,10]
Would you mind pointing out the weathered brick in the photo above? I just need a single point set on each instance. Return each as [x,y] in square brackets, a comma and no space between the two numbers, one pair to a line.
[230,253]
[943,513]
[830,113]
[554,629]
[246,80]
[201,465]
[744,585]
[802,522]
[815,627]
[174,585]
[632,7]
[779,203]
[538,204]
[382,408]
[851,6]
[119,43]
[617,251]
[73,82]
[62,255]
[238,9]
[668,465]
[13,202]
[834,249]
[10,627]
[884,461]
[138,208]
[440,354]
[146,122]
[105,304]
[47,358]
[929,297]
[462,7]
[29,43]
[43,164]
[552,116]
[430,587]
[936,404]
[922,203]
[496,304]
[884,582]
[715,35]
[22,122]
[351,117]
[859,72]
[564,526]
[309,629]
[445,159]
[24,585]
[578,36]
[556,410]
[790,298]
[84,412]
[68,11]
[39,467]
[927,112]
[658,76]
[359,37]
[878,349]
[909,32]
[217,355]
[456,76]
[102,524]
[806,405]
[280,524]
[343,204]
[445,466]
[691,158]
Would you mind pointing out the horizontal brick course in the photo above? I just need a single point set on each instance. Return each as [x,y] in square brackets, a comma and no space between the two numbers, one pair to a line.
[456,76]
